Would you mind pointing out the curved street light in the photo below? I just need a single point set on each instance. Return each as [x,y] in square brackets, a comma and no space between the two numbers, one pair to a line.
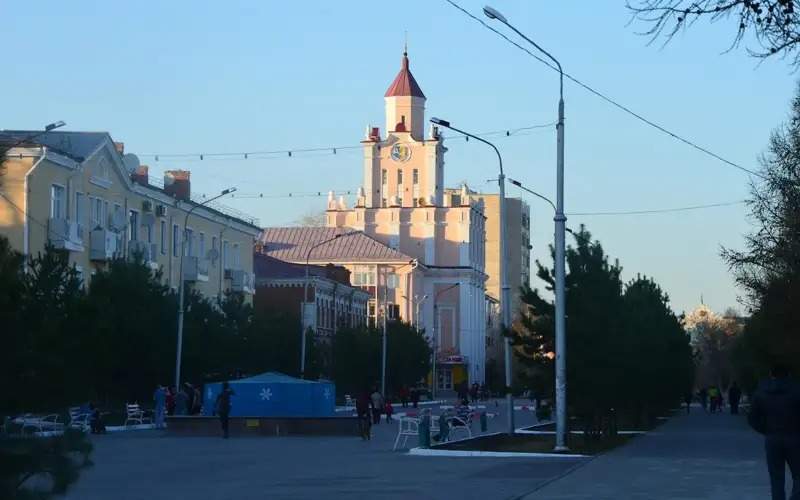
[181,292]
[505,295]
[560,224]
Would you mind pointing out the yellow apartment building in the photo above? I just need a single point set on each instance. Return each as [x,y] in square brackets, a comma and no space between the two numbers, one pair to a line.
[80,192]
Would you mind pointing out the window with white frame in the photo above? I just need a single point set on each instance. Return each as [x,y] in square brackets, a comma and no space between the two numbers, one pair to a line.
[364,276]
[96,212]
[189,245]
[236,256]
[164,242]
[176,240]
[57,208]
[226,264]
[80,199]
[133,225]
[415,186]
[400,184]
[201,245]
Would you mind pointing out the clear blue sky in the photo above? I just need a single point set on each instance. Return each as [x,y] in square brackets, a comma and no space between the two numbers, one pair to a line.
[185,76]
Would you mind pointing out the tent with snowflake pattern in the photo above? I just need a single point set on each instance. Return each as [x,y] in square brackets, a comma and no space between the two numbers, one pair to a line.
[274,394]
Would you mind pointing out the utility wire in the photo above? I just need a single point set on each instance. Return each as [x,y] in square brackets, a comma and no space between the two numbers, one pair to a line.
[662,210]
[608,99]
[327,150]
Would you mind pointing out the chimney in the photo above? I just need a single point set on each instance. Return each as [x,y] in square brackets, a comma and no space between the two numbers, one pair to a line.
[375,135]
[141,175]
[120,147]
[177,185]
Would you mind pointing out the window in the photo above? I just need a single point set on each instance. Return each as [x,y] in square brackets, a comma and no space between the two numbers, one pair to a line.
[133,225]
[415,176]
[56,202]
[384,177]
[163,237]
[96,211]
[188,251]
[225,256]
[415,186]
[399,176]
[201,246]
[393,311]
[214,247]
[236,256]
[79,208]
[363,276]
[176,235]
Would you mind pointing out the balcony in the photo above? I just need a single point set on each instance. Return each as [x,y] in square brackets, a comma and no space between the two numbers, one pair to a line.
[195,269]
[148,252]
[241,281]
[102,244]
[65,234]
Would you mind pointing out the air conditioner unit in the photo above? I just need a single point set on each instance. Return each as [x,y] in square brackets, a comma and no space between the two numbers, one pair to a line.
[147,206]
[161,210]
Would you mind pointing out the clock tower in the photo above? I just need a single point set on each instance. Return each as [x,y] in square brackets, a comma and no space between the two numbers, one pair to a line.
[404,169]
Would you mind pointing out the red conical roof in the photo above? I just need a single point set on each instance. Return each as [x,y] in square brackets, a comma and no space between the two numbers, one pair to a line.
[404,83]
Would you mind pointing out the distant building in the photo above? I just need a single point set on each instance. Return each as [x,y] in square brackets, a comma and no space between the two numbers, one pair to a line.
[402,203]
[280,286]
[82,194]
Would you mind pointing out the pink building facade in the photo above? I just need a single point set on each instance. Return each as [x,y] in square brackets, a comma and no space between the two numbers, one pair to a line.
[402,203]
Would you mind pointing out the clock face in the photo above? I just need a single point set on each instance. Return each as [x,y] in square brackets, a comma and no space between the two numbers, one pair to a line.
[401,152]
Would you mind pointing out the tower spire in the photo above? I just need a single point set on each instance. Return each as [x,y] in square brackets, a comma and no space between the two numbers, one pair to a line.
[405,45]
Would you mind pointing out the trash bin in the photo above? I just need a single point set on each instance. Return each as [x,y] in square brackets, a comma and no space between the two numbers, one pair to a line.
[484,422]
[425,432]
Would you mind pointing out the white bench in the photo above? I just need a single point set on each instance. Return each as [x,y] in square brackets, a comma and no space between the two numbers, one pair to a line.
[134,414]
[39,423]
[79,419]
[408,426]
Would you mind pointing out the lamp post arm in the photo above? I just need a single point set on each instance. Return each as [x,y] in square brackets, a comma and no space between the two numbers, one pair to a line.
[540,49]
[545,198]
[481,139]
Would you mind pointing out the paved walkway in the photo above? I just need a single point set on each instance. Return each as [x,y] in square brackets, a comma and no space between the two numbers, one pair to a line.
[696,456]
[151,465]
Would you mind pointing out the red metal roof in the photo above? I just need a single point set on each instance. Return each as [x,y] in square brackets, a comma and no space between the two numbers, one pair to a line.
[404,83]
[292,244]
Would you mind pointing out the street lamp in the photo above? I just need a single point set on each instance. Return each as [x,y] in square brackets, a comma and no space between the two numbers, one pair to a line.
[505,296]
[305,300]
[47,128]
[560,223]
[181,292]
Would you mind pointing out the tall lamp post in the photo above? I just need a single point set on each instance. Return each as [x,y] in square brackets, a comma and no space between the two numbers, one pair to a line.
[305,300]
[386,287]
[505,296]
[181,292]
[560,224]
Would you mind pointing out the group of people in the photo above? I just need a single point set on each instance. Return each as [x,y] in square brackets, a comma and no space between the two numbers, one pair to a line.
[711,399]
[405,394]
[168,401]
[476,392]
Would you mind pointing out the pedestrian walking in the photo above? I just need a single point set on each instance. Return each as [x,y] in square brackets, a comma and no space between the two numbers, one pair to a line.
[388,409]
[713,396]
[223,406]
[170,401]
[414,397]
[775,413]
[734,396]
[160,398]
[703,395]
[181,402]
[688,400]
[404,396]
[364,412]
[377,406]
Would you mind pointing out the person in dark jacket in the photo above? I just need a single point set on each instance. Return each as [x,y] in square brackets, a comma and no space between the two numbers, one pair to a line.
[734,396]
[223,406]
[775,413]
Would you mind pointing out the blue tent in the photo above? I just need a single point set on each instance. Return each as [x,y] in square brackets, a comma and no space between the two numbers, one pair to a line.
[274,394]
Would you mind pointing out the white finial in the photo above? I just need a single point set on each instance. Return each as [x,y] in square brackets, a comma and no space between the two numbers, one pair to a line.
[342,204]
[368,132]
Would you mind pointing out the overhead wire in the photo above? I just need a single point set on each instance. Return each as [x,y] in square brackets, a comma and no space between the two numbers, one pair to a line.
[608,99]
